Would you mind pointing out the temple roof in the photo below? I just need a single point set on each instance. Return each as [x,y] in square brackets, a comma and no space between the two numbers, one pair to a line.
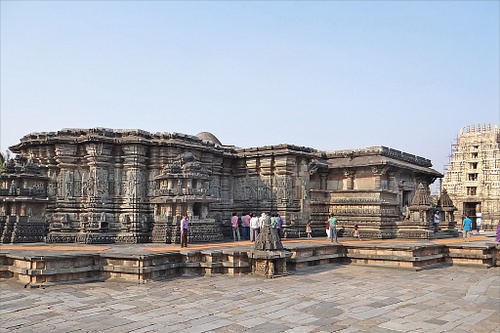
[207,136]
[374,160]
[421,200]
[445,201]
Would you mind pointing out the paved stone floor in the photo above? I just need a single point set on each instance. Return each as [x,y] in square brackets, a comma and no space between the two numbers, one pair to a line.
[330,298]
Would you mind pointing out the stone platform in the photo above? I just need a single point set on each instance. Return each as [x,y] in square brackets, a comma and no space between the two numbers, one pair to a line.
[41,264]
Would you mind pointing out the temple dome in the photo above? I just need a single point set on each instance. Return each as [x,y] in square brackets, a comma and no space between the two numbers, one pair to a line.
[207,136]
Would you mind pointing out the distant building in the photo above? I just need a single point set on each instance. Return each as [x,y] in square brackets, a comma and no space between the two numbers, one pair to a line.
[472,178]
[131,186]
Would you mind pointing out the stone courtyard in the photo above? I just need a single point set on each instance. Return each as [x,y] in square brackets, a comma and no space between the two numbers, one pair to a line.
[330,298]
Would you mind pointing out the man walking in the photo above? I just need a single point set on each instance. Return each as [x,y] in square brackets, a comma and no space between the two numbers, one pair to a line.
[466,228]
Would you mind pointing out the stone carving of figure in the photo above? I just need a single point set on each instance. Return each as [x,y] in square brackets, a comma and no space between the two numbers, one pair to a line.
[239,190]
[151,181]
[131,185]
[406,212]
[91,186]
[68,188]
[316,164]
[141,184]
[252,189]
[215,187]
[102,183]
[13,187]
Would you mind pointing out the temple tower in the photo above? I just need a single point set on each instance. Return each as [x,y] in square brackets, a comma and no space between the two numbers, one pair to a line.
[472,178]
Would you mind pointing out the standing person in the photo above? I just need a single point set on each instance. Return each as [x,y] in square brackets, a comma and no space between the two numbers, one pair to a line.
[184,231]
[279,224]
[332,221]
[245,220]
[355,233]
[234,226]
[273,221]
[254,227]
[479,221]
[498,232]
[308,230]
[437,220]
[262,219]
[466,228]
[243,229]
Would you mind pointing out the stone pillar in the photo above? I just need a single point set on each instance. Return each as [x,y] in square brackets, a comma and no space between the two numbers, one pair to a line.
[378,172]
[134,171]
[349,175]
[66,161]
[323,177]
[98,160]
[392,185]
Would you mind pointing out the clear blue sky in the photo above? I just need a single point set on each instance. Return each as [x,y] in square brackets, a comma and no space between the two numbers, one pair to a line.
[323,74]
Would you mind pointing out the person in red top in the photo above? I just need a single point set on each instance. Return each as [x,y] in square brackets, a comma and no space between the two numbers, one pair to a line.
[245,221]
[234,226]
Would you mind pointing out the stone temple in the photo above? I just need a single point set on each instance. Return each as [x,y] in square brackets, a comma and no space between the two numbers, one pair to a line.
[131,186]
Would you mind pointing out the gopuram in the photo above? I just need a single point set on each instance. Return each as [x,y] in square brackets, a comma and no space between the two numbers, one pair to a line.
[472,179]
[131,186]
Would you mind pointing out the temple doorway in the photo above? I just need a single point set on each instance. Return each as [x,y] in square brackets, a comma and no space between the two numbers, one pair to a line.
[197,209]
[470,210]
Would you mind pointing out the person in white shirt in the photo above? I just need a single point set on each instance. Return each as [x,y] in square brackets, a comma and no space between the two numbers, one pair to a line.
[254,227]
[184,226]
[437,220]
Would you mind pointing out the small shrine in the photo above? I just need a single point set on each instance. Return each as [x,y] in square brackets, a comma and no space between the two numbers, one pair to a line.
[417,218]
[448,209]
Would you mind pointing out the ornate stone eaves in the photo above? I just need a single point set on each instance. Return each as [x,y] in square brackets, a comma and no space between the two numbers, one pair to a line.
[381,151]
[276,150]
[115,136]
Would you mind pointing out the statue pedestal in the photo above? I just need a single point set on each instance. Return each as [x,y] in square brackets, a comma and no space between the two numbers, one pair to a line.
[268,258]
[268,263]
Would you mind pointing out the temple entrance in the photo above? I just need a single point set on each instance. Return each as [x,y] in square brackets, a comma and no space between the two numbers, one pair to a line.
[197,209]
[470,210]
[406,199]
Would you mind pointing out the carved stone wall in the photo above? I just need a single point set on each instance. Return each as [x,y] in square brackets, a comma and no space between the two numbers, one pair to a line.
[23,202]
[129,186]
[366,187]
[101,181]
